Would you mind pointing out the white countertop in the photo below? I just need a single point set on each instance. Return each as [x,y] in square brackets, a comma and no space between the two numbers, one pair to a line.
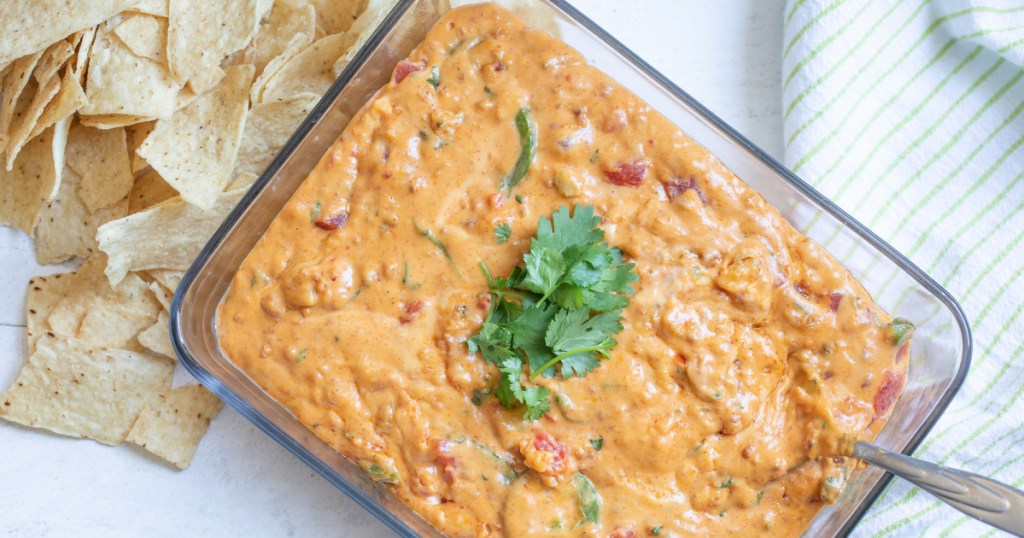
[726,53]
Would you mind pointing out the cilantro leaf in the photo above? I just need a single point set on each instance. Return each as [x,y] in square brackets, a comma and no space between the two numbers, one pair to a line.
[558,312]
[502,232]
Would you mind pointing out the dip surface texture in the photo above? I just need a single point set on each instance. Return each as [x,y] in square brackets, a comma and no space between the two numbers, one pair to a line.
[746,349]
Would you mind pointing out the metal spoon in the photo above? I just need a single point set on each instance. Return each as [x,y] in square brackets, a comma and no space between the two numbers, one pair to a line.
[982,498]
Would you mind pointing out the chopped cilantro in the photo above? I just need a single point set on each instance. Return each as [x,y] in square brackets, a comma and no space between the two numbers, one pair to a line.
[594,155]
[760,495]
[440,246]
[558,312]
[656,530]
[406,281]
[489,91]
[519,198]
[314,213]
[301,356]
[502,232]
[597,443]
[435,77]
[727,483]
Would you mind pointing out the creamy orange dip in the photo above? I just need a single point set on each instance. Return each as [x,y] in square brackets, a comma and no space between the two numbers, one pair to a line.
[745,346]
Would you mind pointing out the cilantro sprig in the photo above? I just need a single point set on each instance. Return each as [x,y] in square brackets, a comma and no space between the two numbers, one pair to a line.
[556,313]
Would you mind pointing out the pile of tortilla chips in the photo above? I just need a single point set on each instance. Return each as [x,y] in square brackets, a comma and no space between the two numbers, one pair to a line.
[128,130]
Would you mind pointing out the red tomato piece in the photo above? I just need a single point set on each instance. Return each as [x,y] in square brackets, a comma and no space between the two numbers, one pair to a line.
[404,69]
[628,174]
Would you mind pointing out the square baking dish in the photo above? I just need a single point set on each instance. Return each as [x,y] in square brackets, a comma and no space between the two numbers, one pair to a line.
[942,344]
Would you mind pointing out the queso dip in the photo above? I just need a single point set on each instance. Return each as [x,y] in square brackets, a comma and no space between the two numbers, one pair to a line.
[744,348]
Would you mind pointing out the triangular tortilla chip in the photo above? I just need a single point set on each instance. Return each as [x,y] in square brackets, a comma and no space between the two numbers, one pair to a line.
[136,135]
[242,181]
[268,126]
[145,36]
[82,54]
[30,25]
[69,98]
[69,388]
[112,121]
[289,18]
[44,292]
[334,16]
[124,84]
[167,278]
[162,295]
[22,125]
[371,18]
[150,7]
[297,44]
[166,236]
[173,428]
[52,59]
[100,314]
[149,189]
[157,338]
[25,190]
[310,71]
[202,32]
[18,75]
[101,159]
[67,228]
[203,81]
[195,150]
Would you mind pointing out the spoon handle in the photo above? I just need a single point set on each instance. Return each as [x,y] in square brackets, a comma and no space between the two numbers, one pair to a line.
[982,498]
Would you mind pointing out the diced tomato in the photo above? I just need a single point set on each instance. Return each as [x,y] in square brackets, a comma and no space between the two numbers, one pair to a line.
[410,310]
[677,186]
[621,532]
[496,200]
[544,442]
[835,298]
[332,223]
[629,174]
[404,69]
[445,460]
[889,392]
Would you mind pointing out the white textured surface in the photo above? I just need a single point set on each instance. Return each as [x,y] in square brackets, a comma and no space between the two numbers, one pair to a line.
[726,53]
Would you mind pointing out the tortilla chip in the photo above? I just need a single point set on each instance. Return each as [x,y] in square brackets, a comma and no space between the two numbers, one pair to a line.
[102,315]
[173,428]
[310,71]
[14,83]
[167,278]
[72,389]
[30,25]
[123,84]
[195,150]
[202,32]
[162,295]
[205,80]
[69,98]
[150,189]
[67,227]
[364,27]
[289,18]
[52,59]
[100,157]
[334,16]
[157,338]
[25,190]
[82,54]
[166,236]
[44,292]
[23,123]
[296,45]
[136,134]
[112,121]
[145,36]
[268,126]
[243,180]
[150,7]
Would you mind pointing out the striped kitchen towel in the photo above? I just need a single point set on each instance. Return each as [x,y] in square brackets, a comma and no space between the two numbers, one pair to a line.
[908,114]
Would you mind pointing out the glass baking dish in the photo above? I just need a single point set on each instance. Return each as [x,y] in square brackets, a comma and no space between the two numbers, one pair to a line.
[942,344]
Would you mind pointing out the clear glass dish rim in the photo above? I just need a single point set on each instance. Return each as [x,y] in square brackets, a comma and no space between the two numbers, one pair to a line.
[263,423]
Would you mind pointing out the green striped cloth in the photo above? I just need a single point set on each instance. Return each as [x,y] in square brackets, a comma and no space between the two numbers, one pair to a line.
[907,113]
